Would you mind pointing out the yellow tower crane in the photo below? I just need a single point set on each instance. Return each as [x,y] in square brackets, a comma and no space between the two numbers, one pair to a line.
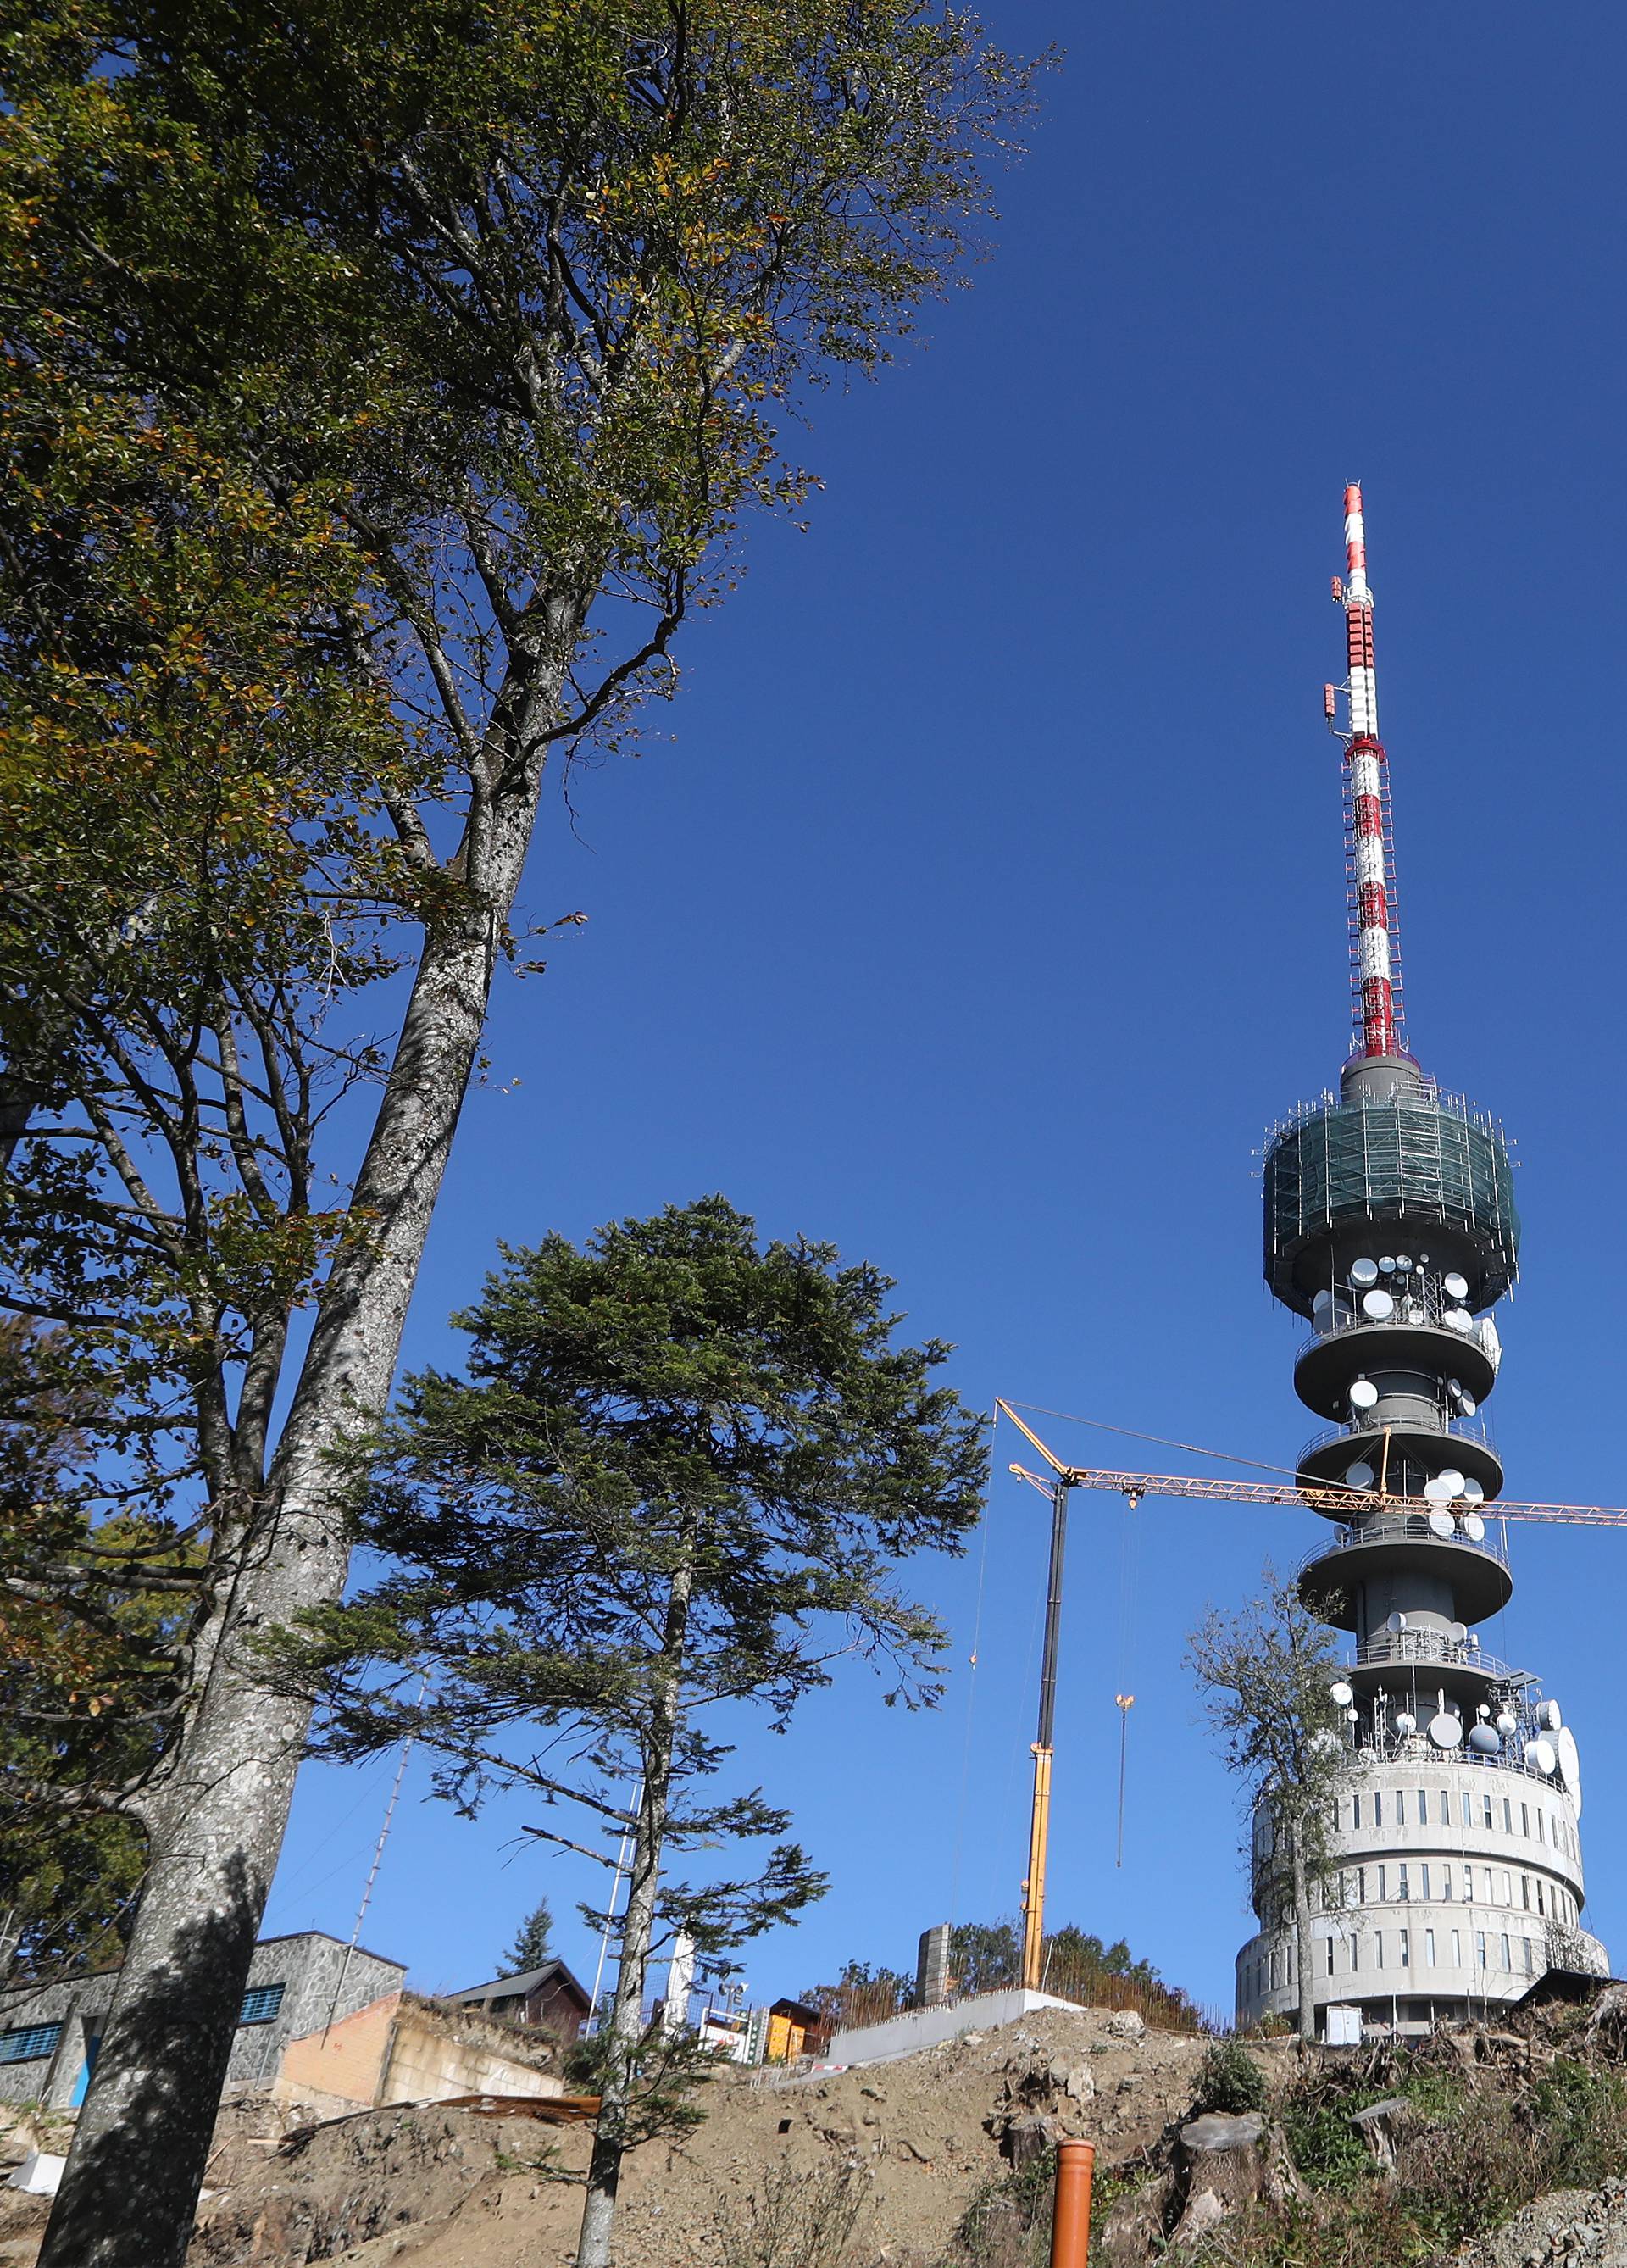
[1063,1479]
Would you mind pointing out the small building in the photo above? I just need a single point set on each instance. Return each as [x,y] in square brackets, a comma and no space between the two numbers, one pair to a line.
[321,2024]
[549,1997]
[794,2030]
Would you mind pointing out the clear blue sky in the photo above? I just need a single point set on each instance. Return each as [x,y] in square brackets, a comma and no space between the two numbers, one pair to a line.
[988,905]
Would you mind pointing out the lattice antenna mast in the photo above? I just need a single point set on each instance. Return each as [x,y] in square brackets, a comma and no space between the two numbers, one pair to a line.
[1369,834]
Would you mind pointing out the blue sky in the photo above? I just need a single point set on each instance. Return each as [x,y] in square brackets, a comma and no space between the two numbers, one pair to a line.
[986,905]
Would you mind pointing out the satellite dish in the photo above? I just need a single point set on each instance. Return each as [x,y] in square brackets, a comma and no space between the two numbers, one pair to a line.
[1473,1493]
[1445,1731]
[1548,1716]
[1474,1528]
[1340,1695]
[1378,1306]
[1457,1632]
[1452,1479]
[1364,1273]
[1439,1489]
[1455,1286]
[1406,1724]
[1363,1393]
[1386,1264]
[1506,1723]
[1458,1319]
[1571,1766]
[1541,1755]
[1322,1304]
[1474,1640]
[1467,1404]
[1403,1266]
[1441,1524]
[1396,1623]
[1360,1475]
[1484,1742]
[1482,1711]
[1354,1715]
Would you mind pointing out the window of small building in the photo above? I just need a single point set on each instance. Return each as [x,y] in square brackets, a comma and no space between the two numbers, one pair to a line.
[261,2003]
[24,2042]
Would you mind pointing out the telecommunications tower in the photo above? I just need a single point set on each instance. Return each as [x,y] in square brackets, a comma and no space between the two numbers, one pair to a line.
[1456,1875]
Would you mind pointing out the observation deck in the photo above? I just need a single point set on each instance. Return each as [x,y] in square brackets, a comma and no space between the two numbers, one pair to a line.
[1340,1580]
[1336,1171]
[1410,1450]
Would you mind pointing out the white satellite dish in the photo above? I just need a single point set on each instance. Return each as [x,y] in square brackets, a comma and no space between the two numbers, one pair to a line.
[1457,1632]
[1548,1716]
[1378,1306]
[1406,1724]
[1359,1475]
[1396,1623]
[1467,1405]
[1541,1755]
[1441,1524]
[1474,1528]
[1458,1319]
[1452,1479]
[1439,1489]
[1386,1264]
[1455,1286]
[1571,1766]
[1445,1731]
[1364,1273]
[1484,1742]
[1507,1722]
[1403,1266]
[1481,1710]
[1340,1695]
[1363,1393]
[1473,1493]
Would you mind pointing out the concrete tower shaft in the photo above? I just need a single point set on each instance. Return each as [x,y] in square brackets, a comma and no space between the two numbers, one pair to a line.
[1390,1224]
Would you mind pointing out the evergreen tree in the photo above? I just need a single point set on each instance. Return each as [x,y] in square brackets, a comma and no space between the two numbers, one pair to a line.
[530,1949]
[677,1478]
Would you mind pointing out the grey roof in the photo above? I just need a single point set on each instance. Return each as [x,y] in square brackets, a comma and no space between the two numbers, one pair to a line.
[528,1981]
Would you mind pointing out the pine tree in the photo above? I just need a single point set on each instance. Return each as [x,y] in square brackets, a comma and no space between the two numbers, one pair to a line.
[530,1949]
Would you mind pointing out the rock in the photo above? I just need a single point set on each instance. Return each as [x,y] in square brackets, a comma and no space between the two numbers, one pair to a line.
[1131,2081]
[1204,2210]
[1079,2082]
[1125,2024]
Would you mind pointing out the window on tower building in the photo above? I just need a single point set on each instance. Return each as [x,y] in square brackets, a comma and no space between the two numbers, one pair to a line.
[1485,1811]
[1468,1885]
[1542,1833]
[1355,1811]
[1329,1957]
[1383,1893]
[1541,1908]
[1405,1954]
[1446,1807]
[1525,1942]
[1469,1809]
[1506,1962]
[1378,1948]
[1457,1948]
[1508,1817]
[1525,1820]
[1423,1806]
[1401,1807]
[1429,1948]
[1401,1883]
[1480,1949]
[1424,1877]
[1445,1882]
[1525,1891]
[1377,1808]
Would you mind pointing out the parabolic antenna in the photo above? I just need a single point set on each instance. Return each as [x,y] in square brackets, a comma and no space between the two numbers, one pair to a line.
[1457,1632]
[1441,1524]
[1445,1731]
[1378,1306]
[1455,1286]
[1359,1475]
[1340,1695]
[1473,1493]
[1386,1264]
[1459,1318]
[1395,1624]
[1542,1757]
[1439,1489]
[1364,1273]
[1467,1405]
[1406,1723]
[1403,1266]
[1363,1393]
[1452,1479]
[1484,1742]
[1474,1528]
[1570,1765]
[1548,1716]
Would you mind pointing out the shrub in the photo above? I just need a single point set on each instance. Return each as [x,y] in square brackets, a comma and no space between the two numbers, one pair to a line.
[1229,2079]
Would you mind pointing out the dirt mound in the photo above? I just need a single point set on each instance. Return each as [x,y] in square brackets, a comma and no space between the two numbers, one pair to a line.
[437,2189]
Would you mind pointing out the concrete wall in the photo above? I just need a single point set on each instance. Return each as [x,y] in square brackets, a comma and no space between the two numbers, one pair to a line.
[439,2051]
[923,2028]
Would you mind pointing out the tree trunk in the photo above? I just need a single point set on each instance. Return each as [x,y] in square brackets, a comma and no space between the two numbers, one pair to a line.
[1304,1941]
[130,2190]
[604,2172]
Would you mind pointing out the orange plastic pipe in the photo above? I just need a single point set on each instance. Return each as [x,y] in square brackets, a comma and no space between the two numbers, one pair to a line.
[1075,2163]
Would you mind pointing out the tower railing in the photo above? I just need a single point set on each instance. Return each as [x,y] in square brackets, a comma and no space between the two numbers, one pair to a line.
[1392,1528]
[1451,1429]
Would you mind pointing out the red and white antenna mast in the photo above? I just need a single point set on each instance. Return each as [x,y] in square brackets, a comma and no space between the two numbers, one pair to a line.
[1369,838]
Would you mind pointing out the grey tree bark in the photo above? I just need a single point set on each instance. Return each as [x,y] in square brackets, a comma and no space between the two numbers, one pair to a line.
[130,2190]
[1305,1943]
[604,2173]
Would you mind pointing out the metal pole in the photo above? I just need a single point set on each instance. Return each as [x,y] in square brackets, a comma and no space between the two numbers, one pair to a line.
[1070,2216]
[1039,1824]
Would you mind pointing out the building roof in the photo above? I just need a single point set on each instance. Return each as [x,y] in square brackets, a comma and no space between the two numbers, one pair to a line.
[522,1987]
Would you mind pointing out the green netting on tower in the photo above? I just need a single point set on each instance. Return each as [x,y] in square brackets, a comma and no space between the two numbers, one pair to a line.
[1418,1163]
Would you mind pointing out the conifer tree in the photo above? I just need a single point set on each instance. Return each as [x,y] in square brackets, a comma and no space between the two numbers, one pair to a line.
[676,1480]
[531,1947]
